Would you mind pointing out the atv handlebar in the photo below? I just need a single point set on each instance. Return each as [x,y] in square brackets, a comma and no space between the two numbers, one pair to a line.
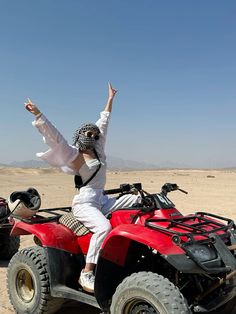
[169,187]
[125,188]
[185,192]
[112,191]
[137,187]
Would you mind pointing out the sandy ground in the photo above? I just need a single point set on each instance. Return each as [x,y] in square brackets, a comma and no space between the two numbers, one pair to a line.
[208,190]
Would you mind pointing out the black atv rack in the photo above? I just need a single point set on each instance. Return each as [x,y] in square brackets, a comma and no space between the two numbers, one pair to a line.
[194,229]
[6,225]
[50,215]
[209,236]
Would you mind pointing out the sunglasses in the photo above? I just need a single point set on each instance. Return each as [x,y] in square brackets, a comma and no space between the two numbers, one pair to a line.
[91,134]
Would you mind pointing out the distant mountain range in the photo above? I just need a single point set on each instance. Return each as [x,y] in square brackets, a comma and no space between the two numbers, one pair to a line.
[121,164]
[113,163]
[116,163]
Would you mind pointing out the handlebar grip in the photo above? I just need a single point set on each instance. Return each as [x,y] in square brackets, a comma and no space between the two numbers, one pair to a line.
[112,191]
[182,191]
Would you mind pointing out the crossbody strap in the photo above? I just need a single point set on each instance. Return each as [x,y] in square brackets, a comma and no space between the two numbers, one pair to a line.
[78,180]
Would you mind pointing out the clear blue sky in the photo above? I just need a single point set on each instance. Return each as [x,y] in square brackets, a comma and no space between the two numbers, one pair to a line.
[173,63]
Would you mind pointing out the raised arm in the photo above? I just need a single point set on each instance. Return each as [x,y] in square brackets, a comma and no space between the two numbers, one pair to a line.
[103,121]
[51,135]
[111,95]
[60,153]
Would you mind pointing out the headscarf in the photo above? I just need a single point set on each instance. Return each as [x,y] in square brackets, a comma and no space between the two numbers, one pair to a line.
[82,141]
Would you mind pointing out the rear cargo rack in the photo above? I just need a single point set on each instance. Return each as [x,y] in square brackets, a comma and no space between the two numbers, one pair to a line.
[45,215]
[201,226]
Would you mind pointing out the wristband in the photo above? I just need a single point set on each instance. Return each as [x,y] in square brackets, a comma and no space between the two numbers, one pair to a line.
[38,115]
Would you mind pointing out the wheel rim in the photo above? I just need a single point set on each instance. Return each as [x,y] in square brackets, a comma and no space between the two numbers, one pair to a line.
[25,285]
[139,306]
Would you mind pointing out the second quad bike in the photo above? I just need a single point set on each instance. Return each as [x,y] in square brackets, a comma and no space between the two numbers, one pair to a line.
[27,202]
[9,245]
[155,260]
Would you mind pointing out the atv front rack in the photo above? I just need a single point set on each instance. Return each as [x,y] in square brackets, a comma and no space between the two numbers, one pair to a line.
[201,229]
[198,224]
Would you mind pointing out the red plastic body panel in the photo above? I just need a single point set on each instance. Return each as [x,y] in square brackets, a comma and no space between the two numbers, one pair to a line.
[83,242]
[126,216]
[50,234]
[128,225]
[116,244]
[123,217]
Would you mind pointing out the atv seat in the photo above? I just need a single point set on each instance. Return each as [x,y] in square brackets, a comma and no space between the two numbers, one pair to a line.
[74,224]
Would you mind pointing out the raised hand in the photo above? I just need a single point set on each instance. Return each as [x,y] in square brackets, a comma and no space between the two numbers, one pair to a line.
[111,91]
[31,107]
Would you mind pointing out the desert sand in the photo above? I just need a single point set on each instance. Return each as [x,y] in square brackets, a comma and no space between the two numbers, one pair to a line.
[208,190]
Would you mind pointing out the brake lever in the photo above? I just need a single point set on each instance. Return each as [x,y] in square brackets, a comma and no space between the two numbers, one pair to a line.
[185,192]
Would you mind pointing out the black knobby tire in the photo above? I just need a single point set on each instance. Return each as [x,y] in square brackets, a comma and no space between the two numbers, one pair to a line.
[28,283]
[147,292]
[9,245]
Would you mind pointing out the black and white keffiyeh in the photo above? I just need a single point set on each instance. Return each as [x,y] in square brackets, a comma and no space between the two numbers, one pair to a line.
[82,141]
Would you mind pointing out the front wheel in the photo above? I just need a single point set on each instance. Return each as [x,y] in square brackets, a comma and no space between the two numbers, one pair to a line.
[149,293]
[28,283]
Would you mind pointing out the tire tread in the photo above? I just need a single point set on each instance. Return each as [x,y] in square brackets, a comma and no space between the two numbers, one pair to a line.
[47,303]
[157,286]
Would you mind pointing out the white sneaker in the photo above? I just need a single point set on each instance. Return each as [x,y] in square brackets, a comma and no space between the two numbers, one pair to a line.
[86,280]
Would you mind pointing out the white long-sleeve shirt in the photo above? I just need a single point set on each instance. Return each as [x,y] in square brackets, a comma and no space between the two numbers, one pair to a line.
[61,154]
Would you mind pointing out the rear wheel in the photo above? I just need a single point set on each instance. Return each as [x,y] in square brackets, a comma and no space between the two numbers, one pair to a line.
[148,293]
[28,283]
[9,245]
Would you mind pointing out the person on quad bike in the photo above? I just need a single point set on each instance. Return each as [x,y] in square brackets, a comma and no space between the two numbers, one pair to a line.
[86,160]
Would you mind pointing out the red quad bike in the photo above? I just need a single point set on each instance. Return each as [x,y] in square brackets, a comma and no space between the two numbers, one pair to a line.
[9,245]
[155,260]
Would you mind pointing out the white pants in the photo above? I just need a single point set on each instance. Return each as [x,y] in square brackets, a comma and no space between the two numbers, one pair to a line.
[90,207]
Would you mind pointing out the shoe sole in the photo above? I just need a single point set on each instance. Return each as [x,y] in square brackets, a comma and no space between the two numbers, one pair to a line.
[85,288]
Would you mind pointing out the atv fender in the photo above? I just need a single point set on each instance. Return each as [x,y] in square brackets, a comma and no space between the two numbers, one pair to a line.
[116,244]
[50,234]
[111,267]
